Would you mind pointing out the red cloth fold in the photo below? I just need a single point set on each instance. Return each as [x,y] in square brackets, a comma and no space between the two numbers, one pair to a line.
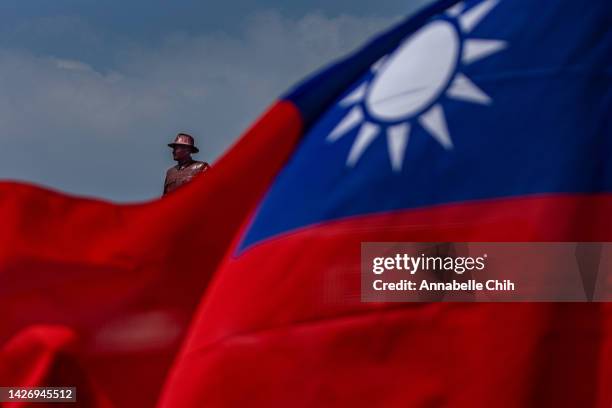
[121,281]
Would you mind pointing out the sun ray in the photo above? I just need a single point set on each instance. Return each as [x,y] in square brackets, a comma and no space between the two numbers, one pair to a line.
[376,66]
[475,49]
[366,136]
[473,16]
[464,89]
[455,10]
[352,119]
[355,96]
[397,140]
[435,123]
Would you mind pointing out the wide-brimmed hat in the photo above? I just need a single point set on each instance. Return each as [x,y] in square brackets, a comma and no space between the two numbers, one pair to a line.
[183,139]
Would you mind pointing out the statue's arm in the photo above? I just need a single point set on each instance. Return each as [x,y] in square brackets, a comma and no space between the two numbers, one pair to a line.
[165,185]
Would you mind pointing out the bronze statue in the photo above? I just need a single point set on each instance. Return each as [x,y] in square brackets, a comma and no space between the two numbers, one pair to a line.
[187,168]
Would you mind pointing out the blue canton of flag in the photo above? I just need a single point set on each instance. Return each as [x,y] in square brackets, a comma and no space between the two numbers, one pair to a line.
[488,99]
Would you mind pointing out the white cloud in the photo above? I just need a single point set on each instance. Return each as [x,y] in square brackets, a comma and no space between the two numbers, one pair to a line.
[66,125]
[71,64]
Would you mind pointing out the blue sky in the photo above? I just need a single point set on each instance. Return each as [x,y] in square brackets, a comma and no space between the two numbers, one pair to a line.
[94,90]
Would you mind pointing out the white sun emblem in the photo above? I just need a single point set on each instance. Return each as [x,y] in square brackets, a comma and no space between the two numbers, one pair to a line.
[408,84]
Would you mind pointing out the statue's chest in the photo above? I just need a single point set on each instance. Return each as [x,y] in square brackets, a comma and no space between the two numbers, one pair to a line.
[180,177]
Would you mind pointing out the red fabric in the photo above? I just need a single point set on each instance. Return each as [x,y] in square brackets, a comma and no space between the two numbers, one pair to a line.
[40,355]
[99,287]
[283,325]
[92,294]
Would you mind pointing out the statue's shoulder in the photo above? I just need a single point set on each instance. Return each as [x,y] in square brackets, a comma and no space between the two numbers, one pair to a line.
[200,166]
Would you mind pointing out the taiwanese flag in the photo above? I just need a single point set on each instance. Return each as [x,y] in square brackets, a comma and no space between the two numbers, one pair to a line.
[471,121]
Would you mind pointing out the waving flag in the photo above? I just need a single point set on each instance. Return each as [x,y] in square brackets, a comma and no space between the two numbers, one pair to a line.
[478,120]
[474,121]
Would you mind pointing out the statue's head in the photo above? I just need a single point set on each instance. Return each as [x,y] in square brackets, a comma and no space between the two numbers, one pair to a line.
[183,147]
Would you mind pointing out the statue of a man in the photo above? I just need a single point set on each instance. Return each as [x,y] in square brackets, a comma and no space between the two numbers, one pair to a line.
[187,168]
